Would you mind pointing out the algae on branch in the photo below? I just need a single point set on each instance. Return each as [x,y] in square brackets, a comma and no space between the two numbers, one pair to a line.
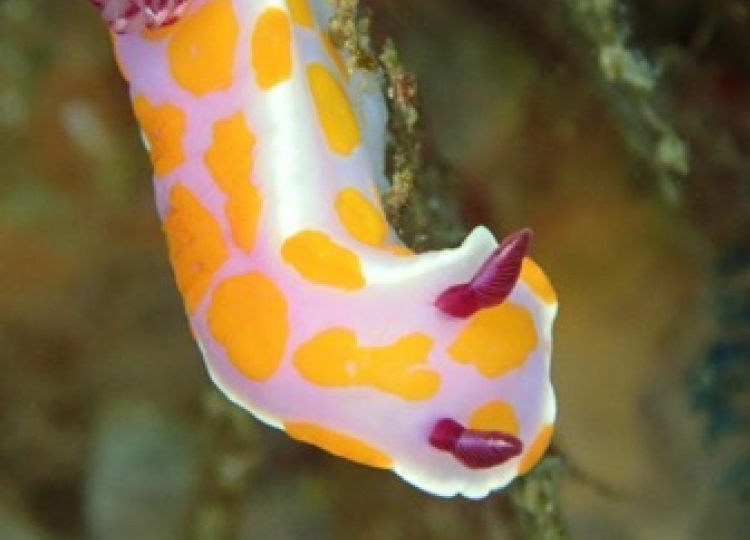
[639,105]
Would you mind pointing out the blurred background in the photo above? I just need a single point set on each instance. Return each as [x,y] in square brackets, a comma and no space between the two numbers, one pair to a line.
[619,131]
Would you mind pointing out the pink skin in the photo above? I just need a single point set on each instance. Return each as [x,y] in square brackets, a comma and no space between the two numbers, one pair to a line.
[489,287]
[431,447]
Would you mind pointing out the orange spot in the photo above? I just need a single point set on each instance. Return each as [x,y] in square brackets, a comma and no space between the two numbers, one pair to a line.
[230,161]
[495,416]
[164,127]
[339,444]
[536,450]
[300,12]
[201,50]
[158,33]
[335,55]
[495,340]
[537,281]
[243,211]
[333,358]
[399,250]
[361,218]
[248,316]
[334,110]
[318,259]
[272,48]
[196,245]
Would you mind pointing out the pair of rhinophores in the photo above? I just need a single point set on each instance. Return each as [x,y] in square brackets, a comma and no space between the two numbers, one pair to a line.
[309,311]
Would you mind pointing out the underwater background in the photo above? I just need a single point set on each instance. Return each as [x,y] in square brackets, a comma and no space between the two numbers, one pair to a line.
[619,131]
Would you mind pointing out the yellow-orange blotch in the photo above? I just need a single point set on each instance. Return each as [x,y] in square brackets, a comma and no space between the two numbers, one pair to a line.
[201,51]
[320,260]
[196,245]
[495,416]
[158,33]
[496,340]
[230,161]
[300,12]
[333,358]
[334,110]
[398,250]
[164,129]
[272,48]
[248,316]
[360,217]
[536,280]
[339,444]
[536,449]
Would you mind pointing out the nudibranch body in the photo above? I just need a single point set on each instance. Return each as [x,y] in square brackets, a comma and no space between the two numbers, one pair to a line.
[309,312]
